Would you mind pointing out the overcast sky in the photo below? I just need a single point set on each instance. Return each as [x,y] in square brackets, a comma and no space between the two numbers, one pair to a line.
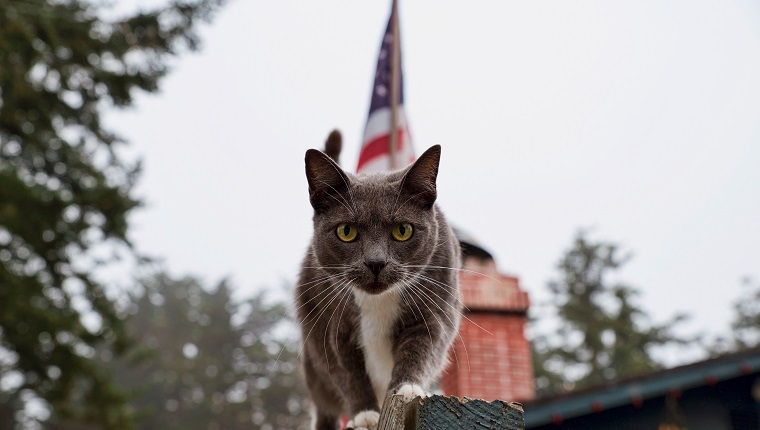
[637,119]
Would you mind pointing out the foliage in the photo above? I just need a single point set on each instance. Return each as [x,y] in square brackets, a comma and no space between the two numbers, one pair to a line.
[745,325]
[746,322]
[205,361]
[603,334]
[64,189]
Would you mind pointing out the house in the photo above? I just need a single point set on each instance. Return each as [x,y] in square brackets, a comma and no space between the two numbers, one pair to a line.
[491,360]
[491,357]
[717,394]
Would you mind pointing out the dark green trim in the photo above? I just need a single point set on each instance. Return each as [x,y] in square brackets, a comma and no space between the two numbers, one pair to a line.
[678,379]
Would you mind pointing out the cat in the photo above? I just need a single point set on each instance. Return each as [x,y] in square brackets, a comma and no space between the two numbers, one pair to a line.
[378,299]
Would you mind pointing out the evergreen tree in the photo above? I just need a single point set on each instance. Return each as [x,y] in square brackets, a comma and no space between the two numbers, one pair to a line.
[64,189]
[603,334]
[205,361]
[746,322]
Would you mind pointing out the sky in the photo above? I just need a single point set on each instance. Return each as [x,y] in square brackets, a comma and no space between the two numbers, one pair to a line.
[636,120]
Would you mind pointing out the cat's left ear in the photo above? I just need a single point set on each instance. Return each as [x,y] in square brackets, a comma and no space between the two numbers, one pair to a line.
[419,181]
[327,181]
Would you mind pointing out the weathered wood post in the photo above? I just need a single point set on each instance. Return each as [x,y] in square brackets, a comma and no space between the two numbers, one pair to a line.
[450,413]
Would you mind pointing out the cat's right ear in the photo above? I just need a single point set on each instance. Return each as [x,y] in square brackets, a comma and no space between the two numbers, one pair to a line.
[327,181]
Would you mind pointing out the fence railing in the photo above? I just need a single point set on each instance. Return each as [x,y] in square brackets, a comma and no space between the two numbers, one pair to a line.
[450,413]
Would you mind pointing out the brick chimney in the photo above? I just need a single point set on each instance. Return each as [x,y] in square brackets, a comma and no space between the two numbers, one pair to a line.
[493,357]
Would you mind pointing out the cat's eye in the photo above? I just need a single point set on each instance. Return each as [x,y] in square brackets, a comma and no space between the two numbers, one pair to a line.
[346,232]
[402,231]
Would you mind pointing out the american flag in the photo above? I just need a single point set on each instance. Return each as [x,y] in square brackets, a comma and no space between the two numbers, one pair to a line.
[375,154]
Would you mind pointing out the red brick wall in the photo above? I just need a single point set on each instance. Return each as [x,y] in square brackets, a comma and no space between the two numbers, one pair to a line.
[491,359]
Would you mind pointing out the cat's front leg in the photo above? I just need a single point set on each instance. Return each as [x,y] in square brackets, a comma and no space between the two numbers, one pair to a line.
[414,362]
[357,387]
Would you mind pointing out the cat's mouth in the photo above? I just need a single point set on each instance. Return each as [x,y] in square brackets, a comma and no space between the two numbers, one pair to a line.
[375,287]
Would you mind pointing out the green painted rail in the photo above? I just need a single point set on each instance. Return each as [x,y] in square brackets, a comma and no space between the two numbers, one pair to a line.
[450,413]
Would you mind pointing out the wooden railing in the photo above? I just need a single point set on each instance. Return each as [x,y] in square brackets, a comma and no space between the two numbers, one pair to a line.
[450,413]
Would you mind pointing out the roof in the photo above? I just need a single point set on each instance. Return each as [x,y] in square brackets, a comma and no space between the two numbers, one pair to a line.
[492,292]
[635,390]
[470,246]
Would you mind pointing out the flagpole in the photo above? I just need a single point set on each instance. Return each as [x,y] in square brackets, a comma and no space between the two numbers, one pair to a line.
[395,84]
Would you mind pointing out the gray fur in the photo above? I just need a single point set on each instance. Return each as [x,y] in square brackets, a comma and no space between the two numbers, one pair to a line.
[336,276]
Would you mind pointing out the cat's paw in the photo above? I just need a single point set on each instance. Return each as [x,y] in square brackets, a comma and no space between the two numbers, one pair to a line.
[364,420]
[410,391]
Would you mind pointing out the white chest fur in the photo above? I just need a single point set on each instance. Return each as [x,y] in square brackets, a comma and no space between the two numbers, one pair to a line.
[378,317]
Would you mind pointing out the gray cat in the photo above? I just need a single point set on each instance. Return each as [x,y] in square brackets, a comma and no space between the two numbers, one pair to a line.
[378,299]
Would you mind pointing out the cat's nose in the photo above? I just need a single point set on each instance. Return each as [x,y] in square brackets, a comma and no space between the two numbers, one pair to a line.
[375,265]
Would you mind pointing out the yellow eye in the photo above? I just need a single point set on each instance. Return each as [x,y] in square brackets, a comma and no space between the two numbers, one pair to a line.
[346,232]
[402,231]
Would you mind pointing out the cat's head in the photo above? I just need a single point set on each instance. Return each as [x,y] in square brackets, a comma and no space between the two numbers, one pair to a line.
[373,228]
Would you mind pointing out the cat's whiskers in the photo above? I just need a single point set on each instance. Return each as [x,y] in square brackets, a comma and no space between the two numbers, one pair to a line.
[345,292]
[453,307]
[415,282]
[335,293]
[327,270]
[407,302]
[323,281]
[458,269]
[424,302]
[446,288]
[343,309]
[404,281]
[277,360]
[437,282]
[328,292]
[318,282]
[408,290]
[446,314]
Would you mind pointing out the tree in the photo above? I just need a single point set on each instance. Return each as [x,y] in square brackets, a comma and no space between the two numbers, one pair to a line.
[64,189]
[746,322]
[603,334]
[204,361]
